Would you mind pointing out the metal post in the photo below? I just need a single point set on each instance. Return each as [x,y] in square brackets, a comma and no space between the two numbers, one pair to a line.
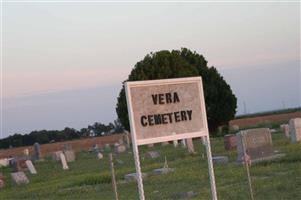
[211,170]
[138,171]
[247,166]
[113,176]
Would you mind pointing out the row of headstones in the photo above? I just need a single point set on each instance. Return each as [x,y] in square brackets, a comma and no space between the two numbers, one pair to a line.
[258,142]
[20,164]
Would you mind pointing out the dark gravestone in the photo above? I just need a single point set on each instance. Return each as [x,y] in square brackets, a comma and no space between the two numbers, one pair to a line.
[37,151]
[230,141]
[67,147]
[220,159]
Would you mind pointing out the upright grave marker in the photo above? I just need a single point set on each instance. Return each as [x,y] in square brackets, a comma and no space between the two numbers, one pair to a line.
[295,129]
[167,110]
[257,143]
[37,151]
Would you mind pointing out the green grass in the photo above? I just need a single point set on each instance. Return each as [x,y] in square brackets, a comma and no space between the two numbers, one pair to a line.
[89,178]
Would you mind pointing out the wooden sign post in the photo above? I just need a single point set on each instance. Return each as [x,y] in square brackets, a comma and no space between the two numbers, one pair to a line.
[167,110]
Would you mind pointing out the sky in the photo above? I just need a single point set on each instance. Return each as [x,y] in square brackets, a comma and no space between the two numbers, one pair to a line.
[63,63]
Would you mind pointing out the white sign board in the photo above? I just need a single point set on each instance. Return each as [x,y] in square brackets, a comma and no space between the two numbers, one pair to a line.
[165,110]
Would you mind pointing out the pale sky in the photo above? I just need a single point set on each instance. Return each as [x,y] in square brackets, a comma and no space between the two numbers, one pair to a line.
[63,63]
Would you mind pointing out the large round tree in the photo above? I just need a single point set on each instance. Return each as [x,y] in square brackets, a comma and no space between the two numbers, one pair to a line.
[220,101]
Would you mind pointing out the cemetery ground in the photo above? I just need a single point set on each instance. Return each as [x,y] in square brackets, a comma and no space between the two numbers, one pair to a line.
[89,178]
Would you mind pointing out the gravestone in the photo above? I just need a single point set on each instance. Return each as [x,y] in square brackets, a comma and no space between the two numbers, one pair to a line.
[258,144]
[56,155]
[127,139]
[295,129]
[230,142]
[234,127]
[164,170]
[285,129]
[69,155]
[183,142]
[220,159]
[184,195]
[99,156]
[37,151]
[133,176]
[120,148]
[150,145]
[19,178]
[26,152]
[18,164]
[4,162]
[30,166]
[190,145]
[107,148]
[67,147]
[175,142]
[96,148]
[152,154]
[64,162]
[164,144]
[2,181]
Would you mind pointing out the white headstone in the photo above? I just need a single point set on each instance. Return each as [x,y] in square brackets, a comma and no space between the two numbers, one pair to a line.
[56,155]
[64,162]
[99,156]
[30,166]
[4,162]
[285,129]
[26,152]
[295,129]
[183,142]
[175,142]
[69,155]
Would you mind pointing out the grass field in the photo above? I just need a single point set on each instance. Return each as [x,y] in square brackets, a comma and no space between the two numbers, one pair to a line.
[89,178]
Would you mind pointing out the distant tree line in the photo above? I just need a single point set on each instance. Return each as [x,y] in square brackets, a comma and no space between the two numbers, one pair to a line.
[50,136]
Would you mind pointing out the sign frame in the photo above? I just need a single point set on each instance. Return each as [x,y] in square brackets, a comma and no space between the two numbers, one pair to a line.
[204,134]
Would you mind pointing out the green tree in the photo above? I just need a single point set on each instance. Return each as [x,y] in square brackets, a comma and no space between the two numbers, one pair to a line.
[221,103]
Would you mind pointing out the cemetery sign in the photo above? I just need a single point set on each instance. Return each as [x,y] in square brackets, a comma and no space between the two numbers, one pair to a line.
[165,110]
